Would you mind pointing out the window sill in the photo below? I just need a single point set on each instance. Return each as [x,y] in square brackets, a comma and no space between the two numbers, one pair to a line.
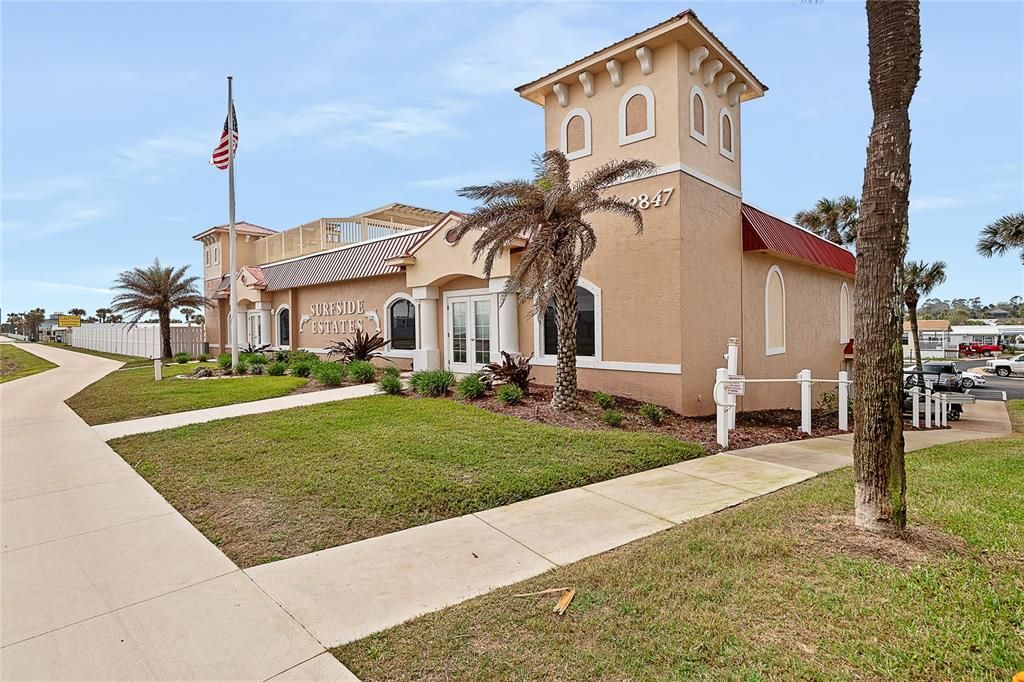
[775,351]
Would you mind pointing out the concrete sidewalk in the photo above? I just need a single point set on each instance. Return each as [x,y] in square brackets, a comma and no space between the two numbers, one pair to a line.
[102,578]
[170,421]
[348,592]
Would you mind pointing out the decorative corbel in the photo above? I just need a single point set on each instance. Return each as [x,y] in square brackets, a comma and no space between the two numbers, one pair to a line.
[562,92]
[587,79]
[646,59]
[734,92]
[615,71]
[724,81]
[697,57]
[710,70]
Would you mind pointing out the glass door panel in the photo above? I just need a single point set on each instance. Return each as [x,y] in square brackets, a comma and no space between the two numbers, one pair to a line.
[460,332]
[482,331]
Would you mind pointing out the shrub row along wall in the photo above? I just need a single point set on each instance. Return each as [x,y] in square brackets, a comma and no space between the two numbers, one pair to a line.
[142,340]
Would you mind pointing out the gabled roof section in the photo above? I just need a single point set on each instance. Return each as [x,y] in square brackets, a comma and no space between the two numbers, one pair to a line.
[450,219]
[240,228]
[929,326]
[764,232]
[684,26]
[355,261]
[252,276]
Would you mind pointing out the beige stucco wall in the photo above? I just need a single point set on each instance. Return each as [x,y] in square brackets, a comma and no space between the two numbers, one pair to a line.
[812,330]
[438,262]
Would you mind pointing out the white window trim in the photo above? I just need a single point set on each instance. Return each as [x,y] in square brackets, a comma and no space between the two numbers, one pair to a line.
[391,352]
[731,155]
[695,90]
[844,311]
[207,256]
[768,350]
[540,358]
[275,315]
[446,297]
[564,140]
[648,96]
[216,254]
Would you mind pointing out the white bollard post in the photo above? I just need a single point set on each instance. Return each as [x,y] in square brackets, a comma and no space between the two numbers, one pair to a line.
[158,370]
[805,400]
[732,364]
[944,409]
[927,409]
[844,399]
[915,397]
[937,420]
[721,412]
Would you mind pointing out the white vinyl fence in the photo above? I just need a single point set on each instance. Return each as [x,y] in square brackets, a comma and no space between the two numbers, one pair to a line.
[142,340]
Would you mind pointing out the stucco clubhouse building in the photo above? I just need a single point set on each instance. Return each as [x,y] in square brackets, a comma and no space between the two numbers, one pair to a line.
[655,310]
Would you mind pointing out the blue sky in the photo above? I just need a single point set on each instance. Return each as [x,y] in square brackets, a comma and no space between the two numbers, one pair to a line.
[110,111]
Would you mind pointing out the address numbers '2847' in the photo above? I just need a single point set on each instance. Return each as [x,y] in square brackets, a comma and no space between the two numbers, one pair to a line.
[646,201]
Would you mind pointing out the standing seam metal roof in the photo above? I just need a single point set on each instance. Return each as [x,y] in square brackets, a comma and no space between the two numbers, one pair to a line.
[764,232]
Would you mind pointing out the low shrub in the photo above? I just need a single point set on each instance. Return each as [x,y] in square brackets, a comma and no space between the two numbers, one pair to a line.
[224,360]
[182,358]
[276,369]
[255,358]
[202,372]
[391,371]
[242,366]
[432,382]
[297,356]
[513,369]
[203,357]
[329,373]
[390,384]
[509,394]
[281,355]
[603,400]
[471,387]
[613,418]
[258,368]
[362,372]
[652,413]
[304,368]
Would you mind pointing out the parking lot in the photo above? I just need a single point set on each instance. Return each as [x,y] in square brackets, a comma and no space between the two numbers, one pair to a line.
[995,387]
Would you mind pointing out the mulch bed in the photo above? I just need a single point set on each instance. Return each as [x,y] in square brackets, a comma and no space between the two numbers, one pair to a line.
[753,428]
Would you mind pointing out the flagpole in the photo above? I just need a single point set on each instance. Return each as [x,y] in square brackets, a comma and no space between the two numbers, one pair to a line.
[233,265]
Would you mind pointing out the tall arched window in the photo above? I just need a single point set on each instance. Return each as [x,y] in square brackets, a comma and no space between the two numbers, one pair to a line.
[774,312]
[636,115]
[725,134]
[845,316]
[587,326]
[284,327]
[402,324]
[575,136]
[698,115]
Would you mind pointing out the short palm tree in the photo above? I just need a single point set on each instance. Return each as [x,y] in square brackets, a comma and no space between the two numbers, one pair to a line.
[1003,235]
[550,212]
[103,313]
[157,289]
[833,219]
[919,278]
[78,312]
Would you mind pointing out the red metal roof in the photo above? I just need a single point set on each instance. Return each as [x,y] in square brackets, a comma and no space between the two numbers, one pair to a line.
[364,259]
[764,232]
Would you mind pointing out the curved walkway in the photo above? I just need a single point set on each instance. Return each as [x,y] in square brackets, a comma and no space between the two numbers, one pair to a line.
[102,578]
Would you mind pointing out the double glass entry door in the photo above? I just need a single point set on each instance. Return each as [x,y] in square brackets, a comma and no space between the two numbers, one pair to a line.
[471,332]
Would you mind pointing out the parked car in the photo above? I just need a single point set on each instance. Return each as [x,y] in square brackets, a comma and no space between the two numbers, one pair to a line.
[1004,367]
[986,349]
[944,376]
[971,379]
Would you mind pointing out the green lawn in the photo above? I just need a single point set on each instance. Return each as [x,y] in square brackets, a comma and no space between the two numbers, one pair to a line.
[285,483]
[132,393]
[16,363]
[770,590]
[128,360]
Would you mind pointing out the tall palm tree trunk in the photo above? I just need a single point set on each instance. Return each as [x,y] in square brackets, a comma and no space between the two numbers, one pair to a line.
[564,394]
[912,312]
[165,334]
[894,47]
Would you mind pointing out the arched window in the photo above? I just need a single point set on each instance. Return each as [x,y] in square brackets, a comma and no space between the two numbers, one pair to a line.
[698,115]
[401,318]
[588,324]
[725,133]
[284,327]
[845,316]
[575,136]
[636,115]
[774,312]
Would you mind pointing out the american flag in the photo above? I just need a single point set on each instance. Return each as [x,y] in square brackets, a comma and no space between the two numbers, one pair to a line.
[219,158]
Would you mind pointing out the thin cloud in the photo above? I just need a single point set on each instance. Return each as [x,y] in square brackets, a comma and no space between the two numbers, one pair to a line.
[934,202]
[60,286]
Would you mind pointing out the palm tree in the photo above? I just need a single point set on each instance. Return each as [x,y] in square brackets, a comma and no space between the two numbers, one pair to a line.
[550,212]
[188,314]
[199,319]
[33,319]
[833,219]
[919,278]
[102,313]
[157,289]
[1003,235]
[115,319]
[894,66]
[77,312]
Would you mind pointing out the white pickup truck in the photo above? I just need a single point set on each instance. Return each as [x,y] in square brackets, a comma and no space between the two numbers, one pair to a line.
[1004,367]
